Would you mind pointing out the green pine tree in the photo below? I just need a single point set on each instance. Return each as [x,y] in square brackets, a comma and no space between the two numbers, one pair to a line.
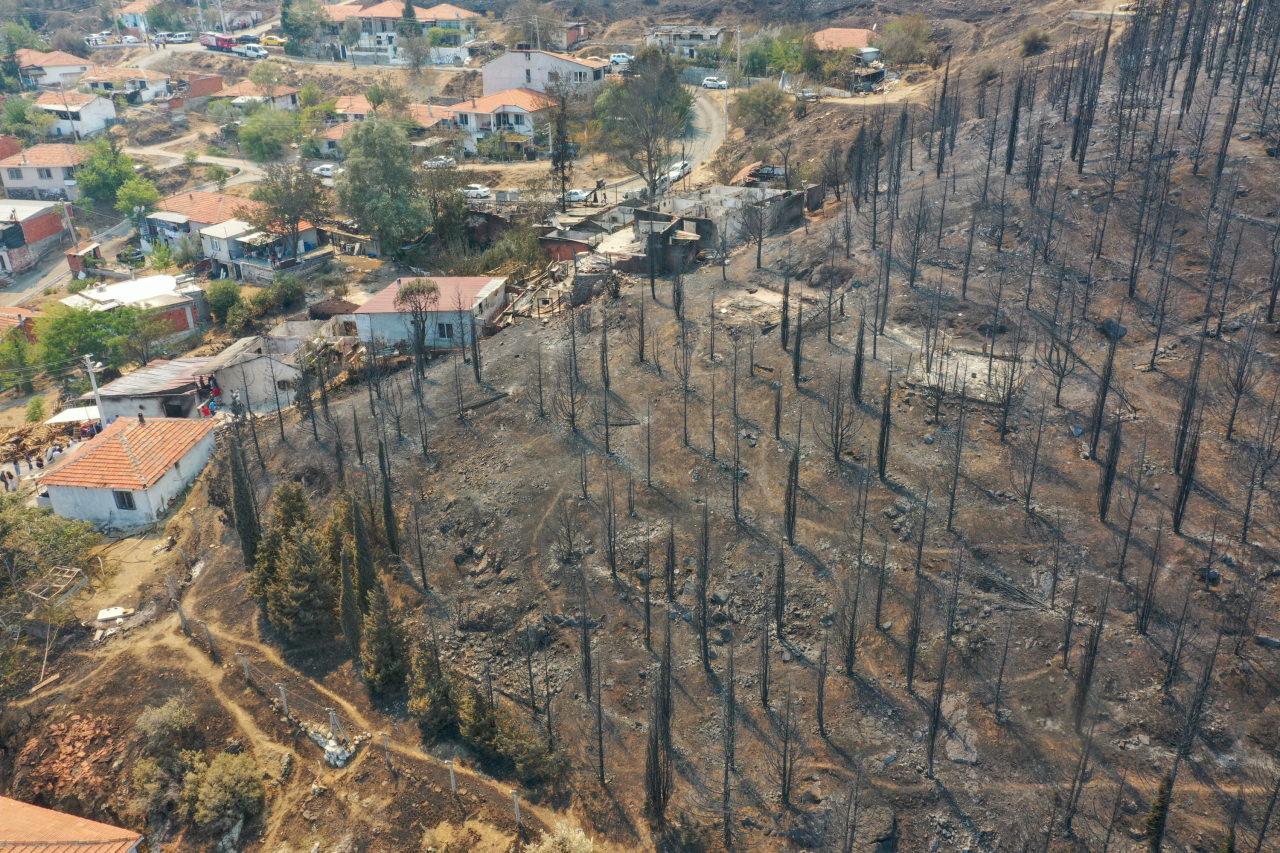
[349,605]
[383,660]
[480,726]
[301,601]
[347,529]
[432,696]
[243,507]
[289,510]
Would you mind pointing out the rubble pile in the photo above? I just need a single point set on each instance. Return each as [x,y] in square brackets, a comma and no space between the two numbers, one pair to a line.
[69,758]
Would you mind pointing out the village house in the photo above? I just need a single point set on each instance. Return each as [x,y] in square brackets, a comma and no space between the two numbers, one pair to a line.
[330,139]
[261,369]
[45,171]
[18,320]
[49,69]
[135,85]
[130,473]
[77,115]
[539,69]
[237,249]
[511,114]
[685,39]
[161,388]
[247,92]
[461,300]
[133,17]
[24,827]
[352,108]
[178,300]
[180,217]
[29,230]
[383,28]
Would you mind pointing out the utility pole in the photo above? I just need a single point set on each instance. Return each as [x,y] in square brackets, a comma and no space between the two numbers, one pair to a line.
[92,369]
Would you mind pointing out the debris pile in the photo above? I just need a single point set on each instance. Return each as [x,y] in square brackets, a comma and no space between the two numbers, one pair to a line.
[74,757]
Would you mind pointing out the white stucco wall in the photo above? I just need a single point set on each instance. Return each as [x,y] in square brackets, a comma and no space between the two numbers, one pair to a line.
[509,72]
[256,377]
[128,407]
[98,506]
[397,328]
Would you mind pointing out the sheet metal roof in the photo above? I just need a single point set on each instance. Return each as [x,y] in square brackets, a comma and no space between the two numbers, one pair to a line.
[157,377]
[131,455]
[24,827]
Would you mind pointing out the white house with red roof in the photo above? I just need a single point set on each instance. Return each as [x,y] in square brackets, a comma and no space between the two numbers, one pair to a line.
[24,827]
[461,300]
[248,92]
[181,216]
[76,114]
[132,472]
[383,25]
[512,113]
[539,69]
[49,69]
[135,85]
[44,171]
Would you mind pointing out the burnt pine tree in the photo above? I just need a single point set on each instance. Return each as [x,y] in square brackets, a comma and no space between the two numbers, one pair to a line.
[1109,470]
[1186,480]
[1004,659]
[939,691]
[780,594]
[792,494]
[703,582]
[882,443]
[913,630]
[859,356]
[1088,664]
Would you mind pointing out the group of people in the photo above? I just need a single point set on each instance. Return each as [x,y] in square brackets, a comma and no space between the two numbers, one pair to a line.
[11,480]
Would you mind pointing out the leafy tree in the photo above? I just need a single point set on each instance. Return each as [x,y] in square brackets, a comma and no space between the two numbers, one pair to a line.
[382,660]
[104,171]
[223,792]
[16,362]
[267,133]
[417,52]
[904,40]
[16,35]
[21,118]
[69,41]
[379,187]
[289,195]
[35,410]
[243,506]
[301,21]
[408,25]
[641,116]
[136,198]
[301,599]
[762,109]
[66,334]
[137,333]
[166,17]
[267,76]
[218,174]
[222,295]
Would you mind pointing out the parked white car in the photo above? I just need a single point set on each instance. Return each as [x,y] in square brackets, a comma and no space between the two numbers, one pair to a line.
[577,195]
[180,38]
[620,58]
[441,162]
[326,170]
[715,83]
[128,39]
[474,191]
[679,170]
[250,51]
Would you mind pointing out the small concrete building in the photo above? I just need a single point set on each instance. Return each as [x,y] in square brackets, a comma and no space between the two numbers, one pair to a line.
[538,69]
[247,92]
[261,369]
[45,171]
[449,324]
[132,472]
[29,230]
[161,389]
[24,827]
[685,39]
[178,300]
[134,85]
[77,115]
[49,69]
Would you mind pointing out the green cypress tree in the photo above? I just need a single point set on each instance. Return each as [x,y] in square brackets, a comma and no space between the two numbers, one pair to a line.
[383,659]
[289,510]
[349,608]
[388,508]
[432,696]
[301,601]
[480,726]
[243,509]
[366,571]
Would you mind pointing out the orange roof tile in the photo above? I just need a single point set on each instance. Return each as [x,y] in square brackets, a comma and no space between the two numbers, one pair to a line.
[339,131]
[208,207]
[138,7]
[842,38]
[342,11]
[358,104]
[448,12]
[28,58]
[452,289]
[131,455]
[24,826]
[250,89]
[47,154]
[428,115]
[393,9]
[67,99]
[11,317]
[526,99]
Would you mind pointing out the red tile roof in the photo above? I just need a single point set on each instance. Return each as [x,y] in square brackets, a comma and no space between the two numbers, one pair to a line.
[842,38]
[358,104]
[48,154]
[393,9]
[339,131]
[341,11]
[429,115]
[526,99]
[131,455]
[209,208]
[28,58]
[451,289]
[67,99]
[250,89]
[12,317]
[27,827]
[448,12]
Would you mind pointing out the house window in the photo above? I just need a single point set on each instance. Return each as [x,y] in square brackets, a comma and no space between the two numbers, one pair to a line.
[15,174]
[124,500]
[463,119]
[517,119]
[68,172]
[579,76]
[44,174]
[445,330]
[528,76]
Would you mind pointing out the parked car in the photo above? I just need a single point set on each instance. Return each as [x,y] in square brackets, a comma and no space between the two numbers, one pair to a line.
[180,38]
[679,170]
[441,162]
[577,195]
[808,95]
[270,40]
[250,51]
[161,37]
[475,191]
[128,39]
[94,40]
[620,58]
[715,83]
[326,170]
[247,38]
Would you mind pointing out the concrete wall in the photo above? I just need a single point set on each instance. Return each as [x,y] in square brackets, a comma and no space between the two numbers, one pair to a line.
[397,329]
[151,407]
[509,72]
[98,506]
[256,379]
[29,184]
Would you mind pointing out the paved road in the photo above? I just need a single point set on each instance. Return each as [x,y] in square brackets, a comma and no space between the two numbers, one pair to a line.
[704,137]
